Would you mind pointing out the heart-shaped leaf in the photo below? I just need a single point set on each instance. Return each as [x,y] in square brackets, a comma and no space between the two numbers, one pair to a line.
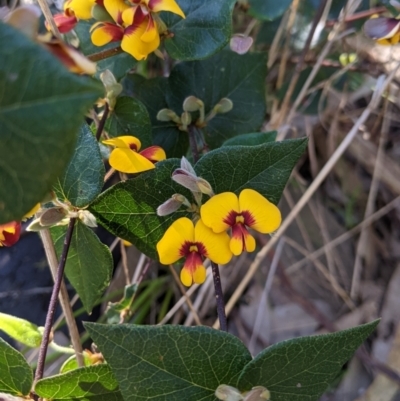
[42,106]
[170,363]
[302,369]
[264,168]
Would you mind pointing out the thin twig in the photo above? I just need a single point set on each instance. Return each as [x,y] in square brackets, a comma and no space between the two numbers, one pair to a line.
[369,209]
[53,301]
[125,267]
[193,143]
[380,88]
[102,122]
[219,297]
[44,6]
[65,303]
[348,234]
[105,54]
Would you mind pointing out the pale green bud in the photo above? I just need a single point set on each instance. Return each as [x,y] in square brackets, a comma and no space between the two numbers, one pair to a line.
[167,115]
[192,103]
[225,105]
[186,118]
[228,393]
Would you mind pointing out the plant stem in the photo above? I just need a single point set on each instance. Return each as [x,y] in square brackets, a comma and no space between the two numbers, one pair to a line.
[102,122]
[219,297]
[66,305]
[53,302]
[193,144]
[105,54]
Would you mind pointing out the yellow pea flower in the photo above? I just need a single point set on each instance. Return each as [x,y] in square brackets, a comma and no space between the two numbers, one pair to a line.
[183,239]
[127,158]
[228,211]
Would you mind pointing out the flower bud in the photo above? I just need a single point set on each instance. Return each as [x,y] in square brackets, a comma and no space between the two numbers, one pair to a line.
[192,103]
[228,393]
[186,118]
[186,180]
[87,218]
[167,115]
[113,88]
[171,205]
[258,393]
[185,165]
[204,186]
[223,106]
[52,216]
[240,44]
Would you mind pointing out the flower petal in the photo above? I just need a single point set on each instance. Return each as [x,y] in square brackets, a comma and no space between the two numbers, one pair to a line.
[64,22]
[266,217]
[81,8]
[165,5]
[105,32]
[128,161]
[216,246]
[169,247]
[134,45]
[154,154]
[116,8]
[216,210]
[124,141]
[9,233]
[151,31]
[193,270]
[241,240]
[381,28]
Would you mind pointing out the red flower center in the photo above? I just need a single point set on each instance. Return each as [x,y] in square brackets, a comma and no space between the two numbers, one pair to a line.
[243,218]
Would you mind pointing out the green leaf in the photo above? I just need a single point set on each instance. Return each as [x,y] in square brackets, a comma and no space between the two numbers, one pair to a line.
[205,30]
[152,92]
[71,363]
[130,117]
[89,264]
[92,383]
[170,363]
[257,138]
[302,369]
[128,209]
[21,330]
[84,177]
[264,168]
[42,106]
[15,374]
[268,9]
[225,75]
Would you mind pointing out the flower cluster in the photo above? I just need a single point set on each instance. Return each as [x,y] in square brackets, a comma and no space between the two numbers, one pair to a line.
[135,23]
[208,237]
